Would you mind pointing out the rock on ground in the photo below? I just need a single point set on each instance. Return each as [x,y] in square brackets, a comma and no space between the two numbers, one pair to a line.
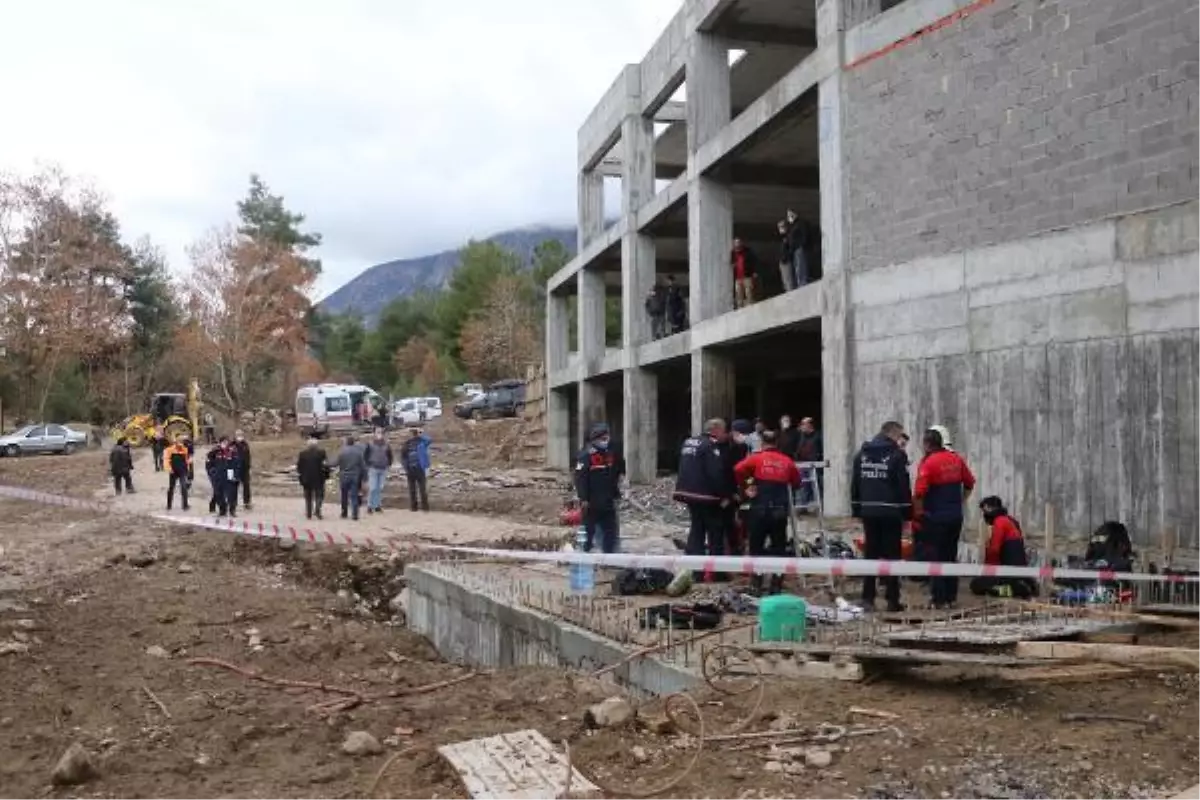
[361,743]
[608,714]
[74,767]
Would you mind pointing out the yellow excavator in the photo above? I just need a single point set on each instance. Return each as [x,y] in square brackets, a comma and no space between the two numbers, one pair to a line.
[176,414]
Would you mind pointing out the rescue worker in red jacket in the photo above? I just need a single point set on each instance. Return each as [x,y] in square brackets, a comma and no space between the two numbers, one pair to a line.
[1005,548]
[944,482]
[766,478]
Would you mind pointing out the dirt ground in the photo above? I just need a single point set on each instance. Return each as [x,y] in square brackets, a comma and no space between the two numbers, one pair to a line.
[111,608]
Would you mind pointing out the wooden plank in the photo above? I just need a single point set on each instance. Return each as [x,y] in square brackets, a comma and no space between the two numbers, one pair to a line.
[1112,653]
[1102,637]
[791,668]
[872,653]
[522,764]
[1066,673]
[1189,621]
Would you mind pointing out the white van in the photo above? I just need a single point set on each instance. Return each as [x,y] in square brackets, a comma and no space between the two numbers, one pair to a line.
[331,408]
[432,406]
[405,412]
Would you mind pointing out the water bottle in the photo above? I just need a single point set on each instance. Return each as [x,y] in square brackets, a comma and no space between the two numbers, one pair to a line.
[582,576]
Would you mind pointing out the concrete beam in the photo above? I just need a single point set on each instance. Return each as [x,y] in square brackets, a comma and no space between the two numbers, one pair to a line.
[747,34]
[750,231]
[671,111]
[778,99]
[607,240]
[739,174]
[602,128]
[778,312]
[710,99]
[638,272]
[591,317]
[591,209]
[667,199]
[898,22]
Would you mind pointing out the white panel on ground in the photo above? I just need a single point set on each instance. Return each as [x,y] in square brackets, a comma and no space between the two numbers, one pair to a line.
[522,764]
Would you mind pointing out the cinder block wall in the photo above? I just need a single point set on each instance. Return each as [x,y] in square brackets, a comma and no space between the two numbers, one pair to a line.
[1023,249]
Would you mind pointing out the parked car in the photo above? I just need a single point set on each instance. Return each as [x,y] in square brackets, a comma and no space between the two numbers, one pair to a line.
[468,390]
[472,408]
[42,438]
[505,399]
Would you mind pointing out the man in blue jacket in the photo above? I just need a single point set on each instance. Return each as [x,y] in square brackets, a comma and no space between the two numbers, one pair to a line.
[414,456]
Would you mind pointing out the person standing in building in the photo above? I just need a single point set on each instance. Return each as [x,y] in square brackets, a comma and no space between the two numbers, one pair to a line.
[785,257]
[120,466]
[944,482]
[178,464]
[598,472]
[242,448]
[352,466]
[414,455]
[798,241]
[676,306]
[765,478]
[703,486]
[656,309]
[789,437]
[880,496]
[379,461]
[744,264]
[810,446]
[1005,548]
[312,470]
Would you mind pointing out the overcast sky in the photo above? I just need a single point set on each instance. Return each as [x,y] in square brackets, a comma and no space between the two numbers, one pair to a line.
[398,127]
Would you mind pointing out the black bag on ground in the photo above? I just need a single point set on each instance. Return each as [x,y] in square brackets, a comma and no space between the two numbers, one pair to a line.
[699,616]
[641,581]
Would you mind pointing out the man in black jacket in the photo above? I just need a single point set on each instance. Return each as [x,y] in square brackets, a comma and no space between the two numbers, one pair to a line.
[797,245]
[598,472]
[705,486]
[120,466]
[312,471]
[656,309]
[243,451]
[881,497]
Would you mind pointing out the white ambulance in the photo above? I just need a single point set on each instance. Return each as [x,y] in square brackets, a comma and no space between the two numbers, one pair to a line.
[328,409]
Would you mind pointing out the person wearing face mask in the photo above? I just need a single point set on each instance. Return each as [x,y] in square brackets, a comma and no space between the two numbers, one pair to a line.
[881,498]
[243,451]
[704,485]
[788,438]
[598,472]
[1005,548]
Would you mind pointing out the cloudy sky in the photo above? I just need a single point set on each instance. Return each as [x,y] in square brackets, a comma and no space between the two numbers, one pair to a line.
[400,128]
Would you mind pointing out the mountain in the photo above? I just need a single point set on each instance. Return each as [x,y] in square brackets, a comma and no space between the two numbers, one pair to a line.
[379,285]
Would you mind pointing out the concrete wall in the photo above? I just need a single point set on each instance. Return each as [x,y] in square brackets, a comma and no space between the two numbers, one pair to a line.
[1064,364]
[1022,117]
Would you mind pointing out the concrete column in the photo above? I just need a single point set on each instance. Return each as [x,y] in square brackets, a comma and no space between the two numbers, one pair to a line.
[709,101]
[591,317]
[837,365]
[558,429]
[640,416]
[710,237]
[637,278]
[591,207]
[558,332]
[637,165]
[713,387]
[592,409]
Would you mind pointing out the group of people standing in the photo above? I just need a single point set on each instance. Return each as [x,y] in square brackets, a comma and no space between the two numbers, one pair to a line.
[362,473]
[795,247]
[666,306]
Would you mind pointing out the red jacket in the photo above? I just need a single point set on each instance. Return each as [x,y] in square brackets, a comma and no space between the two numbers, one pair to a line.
[1006,546]
[773,473]
[943,479]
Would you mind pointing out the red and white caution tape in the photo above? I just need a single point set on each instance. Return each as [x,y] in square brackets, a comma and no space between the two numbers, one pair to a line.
[750,565]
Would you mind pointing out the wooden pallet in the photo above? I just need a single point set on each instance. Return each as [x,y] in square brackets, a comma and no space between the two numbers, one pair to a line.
[522,764]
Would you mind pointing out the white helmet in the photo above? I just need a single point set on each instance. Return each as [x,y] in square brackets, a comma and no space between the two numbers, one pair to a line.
[944,432]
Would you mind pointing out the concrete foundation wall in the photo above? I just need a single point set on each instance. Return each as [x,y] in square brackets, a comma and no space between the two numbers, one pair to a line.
[1023,116]
[1065,365]
[472,626]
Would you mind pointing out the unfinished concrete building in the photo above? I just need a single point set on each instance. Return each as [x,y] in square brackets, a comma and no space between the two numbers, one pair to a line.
[1005,194]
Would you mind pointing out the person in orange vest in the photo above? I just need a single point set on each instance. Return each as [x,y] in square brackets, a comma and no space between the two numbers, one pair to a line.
[766,478]
[178,462]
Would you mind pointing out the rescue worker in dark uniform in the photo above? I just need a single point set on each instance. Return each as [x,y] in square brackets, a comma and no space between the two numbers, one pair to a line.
[703,485]
[1005,548]
[598,472]
[765,478]
[944,482]
[218,464]
[881,498]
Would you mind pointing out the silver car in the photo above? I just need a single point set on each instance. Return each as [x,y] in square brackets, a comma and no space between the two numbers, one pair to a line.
[42,439]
